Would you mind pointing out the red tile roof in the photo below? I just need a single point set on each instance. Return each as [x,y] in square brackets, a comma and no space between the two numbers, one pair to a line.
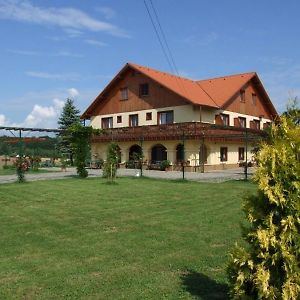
[184,87]
[221,89]
[214,92]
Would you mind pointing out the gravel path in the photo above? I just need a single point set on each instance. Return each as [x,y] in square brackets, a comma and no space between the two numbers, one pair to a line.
[211,176]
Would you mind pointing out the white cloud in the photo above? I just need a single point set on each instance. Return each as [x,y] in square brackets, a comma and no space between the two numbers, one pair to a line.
[73,92]
[54,76]
[108,12]
[36,53]
[44,116]
[3,120]
[68,54]
[24,52]
[96,43]
[67,18]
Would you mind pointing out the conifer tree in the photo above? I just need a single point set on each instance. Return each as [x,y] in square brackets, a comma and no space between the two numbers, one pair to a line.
[68,117]
[269,266]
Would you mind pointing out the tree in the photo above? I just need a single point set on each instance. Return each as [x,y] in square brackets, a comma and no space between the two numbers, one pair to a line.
[293,110]
[268,268]
[68,117]
[80,138]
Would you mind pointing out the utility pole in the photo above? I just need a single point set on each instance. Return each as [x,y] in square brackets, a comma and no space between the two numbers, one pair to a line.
[142,154]
[183,155]
[246,155]
[202,154]
[20,143]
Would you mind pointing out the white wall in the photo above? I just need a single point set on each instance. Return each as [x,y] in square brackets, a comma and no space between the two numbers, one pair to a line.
[183,113]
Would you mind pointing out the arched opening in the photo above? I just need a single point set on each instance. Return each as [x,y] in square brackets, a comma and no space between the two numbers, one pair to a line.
[179,153]
[203,154]
[135,152]
[135,156]
[158,153]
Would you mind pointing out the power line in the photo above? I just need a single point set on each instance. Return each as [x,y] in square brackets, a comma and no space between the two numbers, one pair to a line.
[164,38]
[165,47]
[158,37]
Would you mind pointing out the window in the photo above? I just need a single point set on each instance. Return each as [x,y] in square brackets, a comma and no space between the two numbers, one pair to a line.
[144,89]
[133,120]
[256,124]
[165,117]
[119,119]
[241,153]
[107,123]
[242,95]
[225,119]
[148,116]
[223,154]
[242,122]
[124,93]
[254,99]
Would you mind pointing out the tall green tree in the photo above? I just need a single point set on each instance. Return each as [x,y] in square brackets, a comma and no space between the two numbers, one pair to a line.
[269,266]
[69,116]
[80,138]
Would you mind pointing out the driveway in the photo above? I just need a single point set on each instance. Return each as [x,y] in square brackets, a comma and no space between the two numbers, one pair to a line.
[211,176]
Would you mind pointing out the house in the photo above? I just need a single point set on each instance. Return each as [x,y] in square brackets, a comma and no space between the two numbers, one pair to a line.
[210,123]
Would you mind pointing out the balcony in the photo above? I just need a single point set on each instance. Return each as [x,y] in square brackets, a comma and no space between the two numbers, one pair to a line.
[178,131]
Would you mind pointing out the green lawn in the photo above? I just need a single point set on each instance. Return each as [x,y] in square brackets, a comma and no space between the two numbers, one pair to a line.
[137,239]
[13,171]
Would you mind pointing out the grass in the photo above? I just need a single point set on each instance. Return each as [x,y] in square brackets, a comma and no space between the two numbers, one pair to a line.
[136,239]
[13,171]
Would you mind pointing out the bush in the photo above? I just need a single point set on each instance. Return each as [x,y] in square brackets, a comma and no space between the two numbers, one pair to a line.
[269,267]
[21,168]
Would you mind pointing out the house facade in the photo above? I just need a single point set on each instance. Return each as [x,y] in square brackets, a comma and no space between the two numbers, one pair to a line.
[211,122]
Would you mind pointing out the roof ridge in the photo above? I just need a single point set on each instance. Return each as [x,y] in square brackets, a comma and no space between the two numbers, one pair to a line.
[232,75]
[162,72]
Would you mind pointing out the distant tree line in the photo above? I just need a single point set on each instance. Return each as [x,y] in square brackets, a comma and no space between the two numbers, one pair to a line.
[43,146]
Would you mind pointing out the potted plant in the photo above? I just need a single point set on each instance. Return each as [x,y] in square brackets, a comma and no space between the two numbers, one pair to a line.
[165,164]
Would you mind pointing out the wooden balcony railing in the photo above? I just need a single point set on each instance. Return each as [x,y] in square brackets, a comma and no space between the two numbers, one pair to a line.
[188,130]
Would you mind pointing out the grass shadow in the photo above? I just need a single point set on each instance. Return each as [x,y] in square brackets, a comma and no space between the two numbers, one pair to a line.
[203,287]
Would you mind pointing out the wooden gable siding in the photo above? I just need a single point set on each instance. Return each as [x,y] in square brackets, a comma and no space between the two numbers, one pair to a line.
[159,96]
[247,107]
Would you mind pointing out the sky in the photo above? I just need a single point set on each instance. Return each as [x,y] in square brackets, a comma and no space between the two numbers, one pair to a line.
[51,50]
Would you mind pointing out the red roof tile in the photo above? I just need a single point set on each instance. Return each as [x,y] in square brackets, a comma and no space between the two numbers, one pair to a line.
[221,89]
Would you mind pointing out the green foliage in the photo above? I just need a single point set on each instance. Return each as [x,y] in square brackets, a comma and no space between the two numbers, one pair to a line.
[68,117]
[80,138]
[112,161]
[165,164]
[269,267]
[293,110]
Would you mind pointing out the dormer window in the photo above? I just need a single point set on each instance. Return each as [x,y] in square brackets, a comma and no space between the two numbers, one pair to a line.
[242,96]
[144,89]
[124,93]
